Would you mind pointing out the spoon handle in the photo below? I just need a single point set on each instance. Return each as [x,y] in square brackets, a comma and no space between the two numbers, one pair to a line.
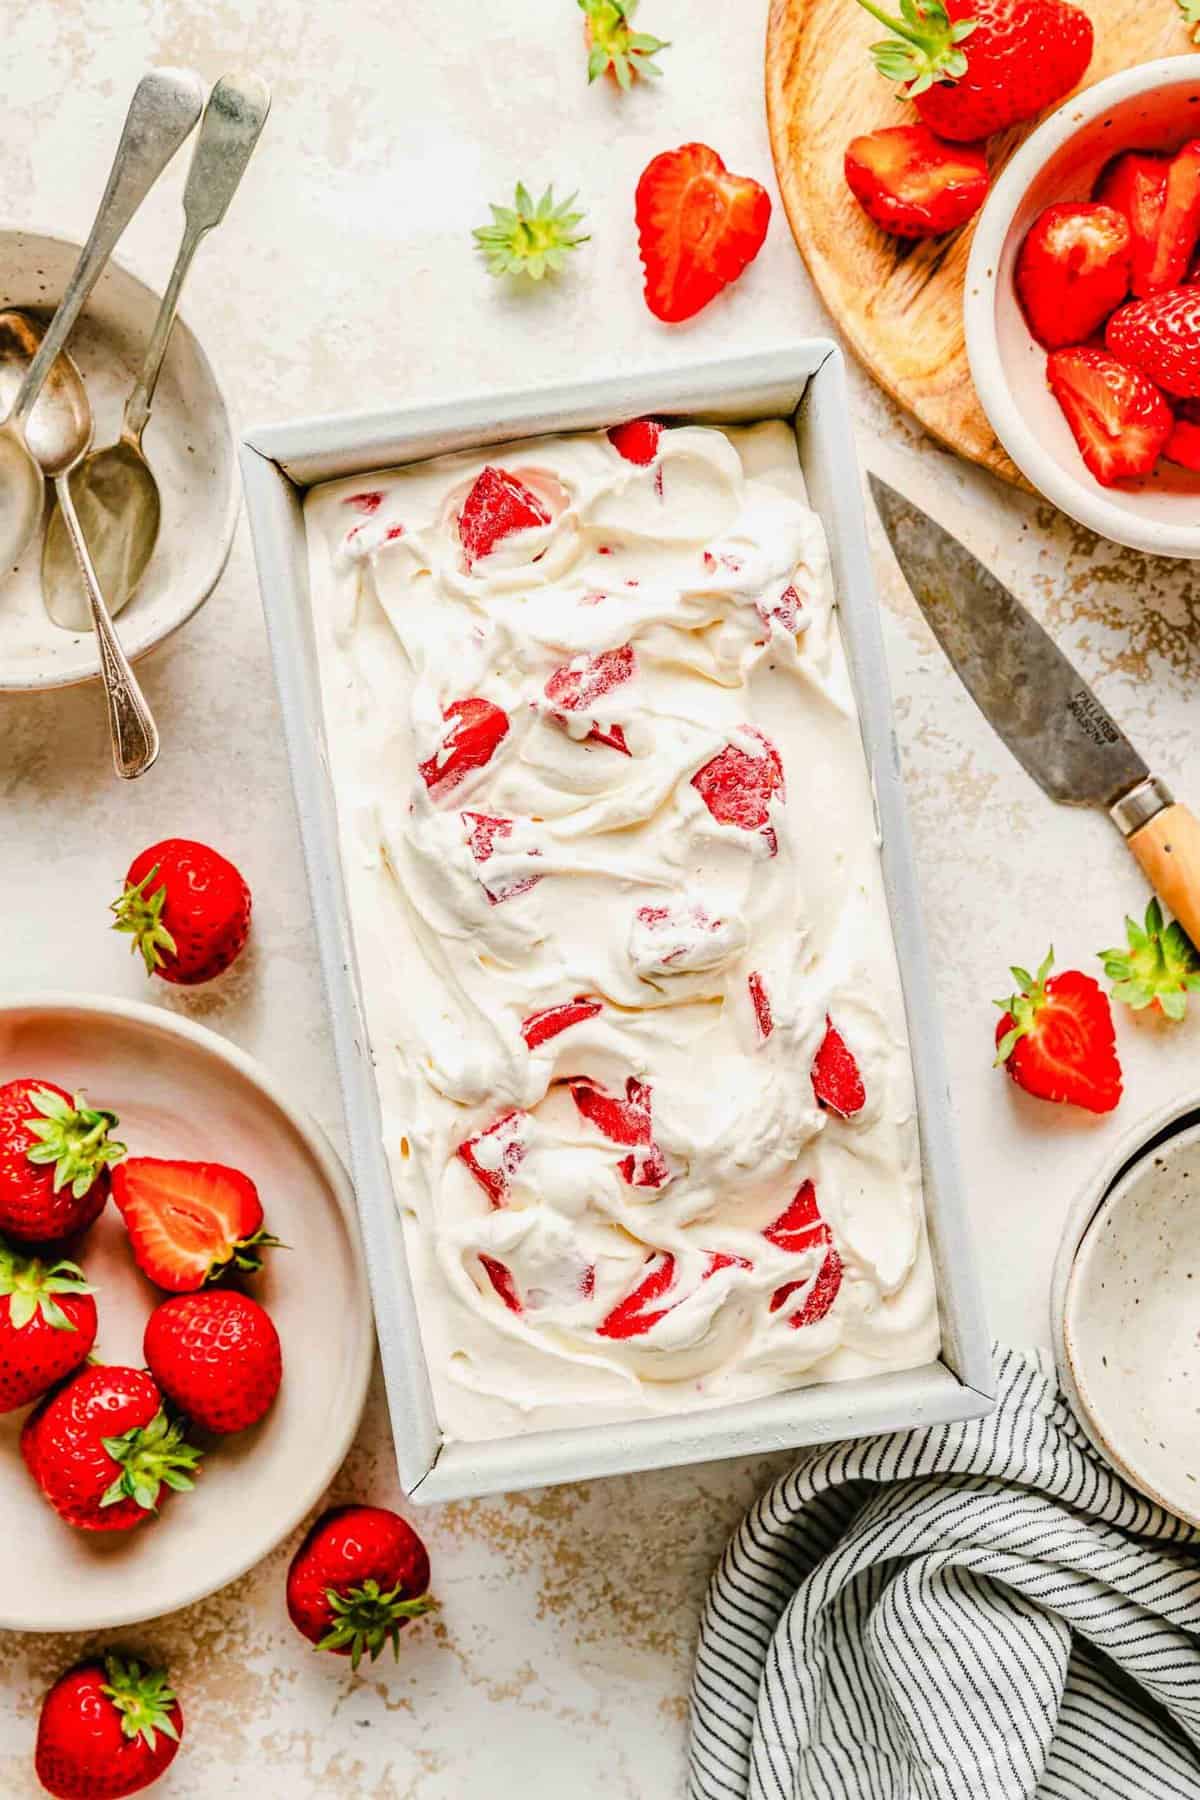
[233,120]
[130,722]
[165,106]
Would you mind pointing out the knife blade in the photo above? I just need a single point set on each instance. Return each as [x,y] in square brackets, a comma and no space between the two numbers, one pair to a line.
[1039,704]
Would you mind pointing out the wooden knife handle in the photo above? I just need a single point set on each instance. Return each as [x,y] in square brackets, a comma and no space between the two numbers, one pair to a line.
[1168,850]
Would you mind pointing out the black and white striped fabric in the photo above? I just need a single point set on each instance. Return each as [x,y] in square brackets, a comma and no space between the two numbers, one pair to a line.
[970,1612]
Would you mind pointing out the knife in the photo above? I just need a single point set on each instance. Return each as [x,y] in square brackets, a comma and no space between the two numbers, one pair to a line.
[1041,707]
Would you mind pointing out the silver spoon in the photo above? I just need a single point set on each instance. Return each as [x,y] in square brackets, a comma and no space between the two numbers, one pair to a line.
[164,108]
[115,493]
[59,436]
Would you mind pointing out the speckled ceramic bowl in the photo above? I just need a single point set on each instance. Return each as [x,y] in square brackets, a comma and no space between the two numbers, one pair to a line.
[189,444]
[1131,1324]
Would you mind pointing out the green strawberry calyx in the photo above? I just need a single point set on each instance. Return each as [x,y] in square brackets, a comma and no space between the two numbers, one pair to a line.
[926,47]
[143,1697]
[246,1255]
[530,238]
[617,46]
[1190,10]
[366,1618]
[1023,1006]
[1160,962]
[30,1286]
[151,1456]
[73,1137]
[140,914]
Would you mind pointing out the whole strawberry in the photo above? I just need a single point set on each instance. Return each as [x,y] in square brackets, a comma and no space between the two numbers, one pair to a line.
[47,1325]
[1057,1039]
[186,908]
[54,1157]
[356,1581]
[102,1449]
[216,1357]
[974,67]
[108,1727]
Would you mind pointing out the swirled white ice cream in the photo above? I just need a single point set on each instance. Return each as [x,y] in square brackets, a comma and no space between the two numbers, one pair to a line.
[619,916]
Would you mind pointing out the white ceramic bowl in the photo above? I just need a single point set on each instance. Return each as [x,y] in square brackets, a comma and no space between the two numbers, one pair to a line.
[1127,1326]
[182,1091]
[1152,107]
[189,444]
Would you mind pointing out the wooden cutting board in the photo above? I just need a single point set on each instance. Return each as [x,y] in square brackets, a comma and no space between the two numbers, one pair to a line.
[900,307]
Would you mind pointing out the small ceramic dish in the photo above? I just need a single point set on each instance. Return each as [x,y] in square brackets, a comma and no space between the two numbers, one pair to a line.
[181,1091]
[189,444]
[1152,107]
[1127,1305]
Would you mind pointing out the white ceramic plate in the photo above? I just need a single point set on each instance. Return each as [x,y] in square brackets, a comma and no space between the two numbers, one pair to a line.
[189,444]
[181,1091]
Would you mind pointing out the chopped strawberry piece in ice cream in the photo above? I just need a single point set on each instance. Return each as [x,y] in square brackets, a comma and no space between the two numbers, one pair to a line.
[785,607]
[682,940]
[637,1314]
[761,1002]
[540,1027]
[494,1156]
[578,684]
[821,1293]
[501,1279]
[738,785]
[836,1080]
[364,503]
[496,506]
[637,442]
[476,729]
[625,1121]
[798,1229]
[484,832]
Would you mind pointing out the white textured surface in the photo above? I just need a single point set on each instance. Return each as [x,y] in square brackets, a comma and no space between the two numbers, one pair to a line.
[344,276]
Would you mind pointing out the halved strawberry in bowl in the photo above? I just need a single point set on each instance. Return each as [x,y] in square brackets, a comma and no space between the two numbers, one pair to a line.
[1160,337]
[1178,228]
[475,730]
[190,1222]
[914,184]
[1119,419]
[1136,185]
[497,506]
[1073,270]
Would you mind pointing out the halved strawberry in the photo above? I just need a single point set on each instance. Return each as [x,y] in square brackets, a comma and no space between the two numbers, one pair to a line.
[1073,270]
[637,1314]
[484,832]
[698,229]
[836,1080]
[737,786]
[1119,419]
[1136,185]
[1057,1039]
[494,1156]
[626,1121]
[1160,337]
[799,1228]
[1179,224]
[496,506]
[761,1002]
[189,1222]
[913,184]
[476,729]
[637,441]
[540,1027]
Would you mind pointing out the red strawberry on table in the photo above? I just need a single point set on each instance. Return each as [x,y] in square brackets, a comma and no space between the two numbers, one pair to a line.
[216,1357]
[187,909]
[103,1450]
[796,1230]
[836,1080]
[1073,270]
[494,1156]
[55,1153]
[358,1579]
[1136,185]
[541,1026]
[1057,1040]
[737,786]
[913,184]
[108,1727]
[190,1222]
[1161,338]
[626,1121]
[497,505]
[698,229]
[476,730]
[1120,421]
[975,67]
[637,441]
[47,1325]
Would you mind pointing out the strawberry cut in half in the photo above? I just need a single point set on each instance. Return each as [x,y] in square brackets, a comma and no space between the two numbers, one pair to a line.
[540,1027]
[476,730]
[913,184]
[1073,270]
[836,1080]
[1136,185]
[494,1156]
[738,787]
[1161,338]
[637,441]
[1057,1041]
[699,227]
[1178,230]
[190,1223]
[1119,419]
[638,1312]
[625,1121]
[496,507]
[798,1229]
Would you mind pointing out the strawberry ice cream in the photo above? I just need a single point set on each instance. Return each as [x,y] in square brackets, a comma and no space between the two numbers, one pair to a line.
[626,961]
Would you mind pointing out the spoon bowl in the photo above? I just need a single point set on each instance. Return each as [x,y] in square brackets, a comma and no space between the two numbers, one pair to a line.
[117,499]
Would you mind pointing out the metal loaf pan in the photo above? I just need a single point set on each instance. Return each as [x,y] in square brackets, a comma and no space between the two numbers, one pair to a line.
[804,382]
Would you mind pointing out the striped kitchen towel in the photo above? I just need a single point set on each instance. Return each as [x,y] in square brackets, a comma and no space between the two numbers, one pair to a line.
[970,1612]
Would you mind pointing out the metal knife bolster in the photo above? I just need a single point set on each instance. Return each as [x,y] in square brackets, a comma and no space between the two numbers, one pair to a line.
[1141,804]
